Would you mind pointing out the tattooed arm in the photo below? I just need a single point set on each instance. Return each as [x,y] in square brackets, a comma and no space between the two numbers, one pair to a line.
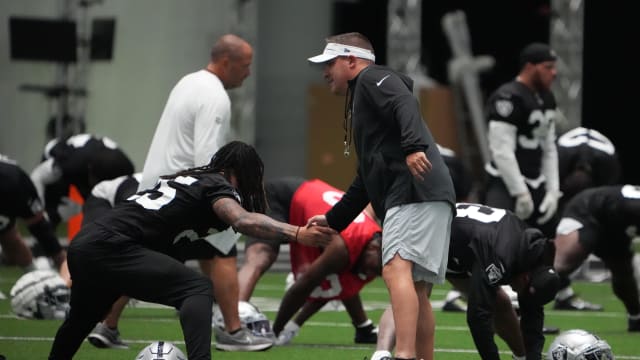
[262,226]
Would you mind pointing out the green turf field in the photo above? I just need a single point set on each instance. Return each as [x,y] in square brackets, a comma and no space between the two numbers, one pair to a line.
[328,335]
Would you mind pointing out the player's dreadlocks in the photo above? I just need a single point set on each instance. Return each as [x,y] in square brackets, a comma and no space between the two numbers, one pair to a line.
[242,160]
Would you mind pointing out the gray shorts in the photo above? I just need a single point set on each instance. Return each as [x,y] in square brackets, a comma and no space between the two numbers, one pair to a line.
[419,232]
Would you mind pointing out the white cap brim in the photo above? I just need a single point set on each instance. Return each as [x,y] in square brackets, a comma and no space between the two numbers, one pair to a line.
[333,50]
[322,58]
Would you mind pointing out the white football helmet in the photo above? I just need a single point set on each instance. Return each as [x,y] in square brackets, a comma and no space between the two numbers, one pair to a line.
[40,294]
[579,345]
[250,317]
[161,350]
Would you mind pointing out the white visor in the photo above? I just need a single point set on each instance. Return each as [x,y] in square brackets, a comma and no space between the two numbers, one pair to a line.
[333,50]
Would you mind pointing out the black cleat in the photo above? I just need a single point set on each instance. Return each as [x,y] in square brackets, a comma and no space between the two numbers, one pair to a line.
[366,335]
[576,304]
[634,325]
[550,330]
[455,305]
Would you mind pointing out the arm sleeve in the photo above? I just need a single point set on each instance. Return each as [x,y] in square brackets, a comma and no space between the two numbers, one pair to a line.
[531,323]
[43,232]
[211,128]
[481,307]
[502,145]
[45,173]
[412,128]
[550,167]
[396,100]
[349,206]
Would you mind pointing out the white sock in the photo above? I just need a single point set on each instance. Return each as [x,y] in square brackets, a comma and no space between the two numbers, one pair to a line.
[452,295]
[366,323]
[634,317]
[565,293]
[291,326]
[381,354]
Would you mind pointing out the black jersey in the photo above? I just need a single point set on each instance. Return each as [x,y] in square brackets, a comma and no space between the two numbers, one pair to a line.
[590,152]
[18,194]
[491,246]
[106,194]
[72,157]
[610,218]
[533,115]
[494,238]
[460,174]
[174,210]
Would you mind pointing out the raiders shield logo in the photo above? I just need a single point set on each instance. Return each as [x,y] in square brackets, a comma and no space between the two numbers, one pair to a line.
[504,107]
[559,353]
[494,274]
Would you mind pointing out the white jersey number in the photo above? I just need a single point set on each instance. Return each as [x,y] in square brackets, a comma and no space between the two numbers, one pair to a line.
[541,120]
[481,213]
[334,289]
[167,193]
[594,139]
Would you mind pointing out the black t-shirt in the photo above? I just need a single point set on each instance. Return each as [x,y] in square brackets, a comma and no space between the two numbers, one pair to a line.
[531,113]
[490,246]
[610,216]
[72,157]
[174,210]
[279,194]
[460,174]
[106,194]
[590,153]
[18,194]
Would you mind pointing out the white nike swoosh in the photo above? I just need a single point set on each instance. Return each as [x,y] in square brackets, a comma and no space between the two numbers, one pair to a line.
[381,80]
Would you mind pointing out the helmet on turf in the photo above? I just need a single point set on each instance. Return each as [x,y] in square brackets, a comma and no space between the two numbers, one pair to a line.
[250,317]
[579,345]
[161,350]
[40,294]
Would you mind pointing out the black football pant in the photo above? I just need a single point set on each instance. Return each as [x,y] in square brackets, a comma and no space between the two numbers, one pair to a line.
[105,266]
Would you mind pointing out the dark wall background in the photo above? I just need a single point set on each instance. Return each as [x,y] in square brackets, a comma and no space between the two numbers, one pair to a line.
[366,17]
[611,77]
[501,28]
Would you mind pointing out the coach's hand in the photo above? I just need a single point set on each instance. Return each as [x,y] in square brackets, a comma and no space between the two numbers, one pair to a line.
[317,220]
[315,235]
[418,164]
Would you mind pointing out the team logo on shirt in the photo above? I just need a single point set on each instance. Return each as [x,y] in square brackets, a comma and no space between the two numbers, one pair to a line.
[494,273]
[504,107]
[235,193]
